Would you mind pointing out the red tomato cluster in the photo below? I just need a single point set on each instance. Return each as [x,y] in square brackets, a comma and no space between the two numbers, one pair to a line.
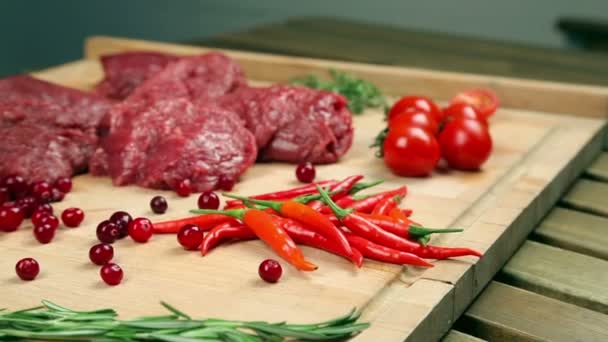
[420,133]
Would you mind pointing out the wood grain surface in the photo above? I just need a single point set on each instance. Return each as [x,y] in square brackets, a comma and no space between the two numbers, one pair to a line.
[524,177]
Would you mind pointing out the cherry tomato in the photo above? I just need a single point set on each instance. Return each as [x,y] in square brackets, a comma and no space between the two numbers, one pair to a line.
[411,151]
[414,117]
[463,111]
[465,144]
[417,102]
[484,101]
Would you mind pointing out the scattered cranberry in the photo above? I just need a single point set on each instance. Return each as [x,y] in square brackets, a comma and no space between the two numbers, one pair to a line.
[72,217]
[140,229]
[49,219]
[28,204]
[158,204]
[27,268]
[208,200]
[121,219]
[184,188]
[10,218]
[16,185]
[107,232]
[57,195]
[305,172]
[101,253]
[46,207]
[42,191]
[4,195]
[190,236]
[270,270]
[44,233]
[225,183]
[38,215]
[111,274]
[64,184]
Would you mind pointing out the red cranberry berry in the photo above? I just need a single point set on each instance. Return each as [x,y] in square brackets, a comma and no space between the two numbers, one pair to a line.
[49,219]
[208,200]
[28,204]
[10,218]
[111,274]
[270,270]
[27,268]
[305,172]
[44,233]
[57,195]
[190,236]
[16,185]
[64,184]
[72,217]
[158,204]
[37,216]
[121,219]
[4,195]
[140,229]
[42,191]
[101,253]
[46,207]
[184,188]
[107,232]
[225,183]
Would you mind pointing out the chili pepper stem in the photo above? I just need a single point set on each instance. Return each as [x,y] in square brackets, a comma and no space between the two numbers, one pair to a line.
[339,212]
[417,231]
[362,186]
[236,213]
[274,205]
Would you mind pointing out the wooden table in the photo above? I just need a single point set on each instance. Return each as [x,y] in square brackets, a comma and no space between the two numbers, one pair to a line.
[554,287]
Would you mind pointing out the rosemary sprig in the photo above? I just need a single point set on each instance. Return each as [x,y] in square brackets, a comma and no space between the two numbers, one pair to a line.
[53,322]
[360,94]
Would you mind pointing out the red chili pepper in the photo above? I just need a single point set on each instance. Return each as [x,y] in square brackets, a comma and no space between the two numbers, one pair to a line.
[306,236]
[204,222]
[407,212]
[343,187]
[399,215]
[225,231]
[316,205]
[381,253]
[264,227]
[367,204]
[306,215]
[364,228]
[386,205]
[289,193]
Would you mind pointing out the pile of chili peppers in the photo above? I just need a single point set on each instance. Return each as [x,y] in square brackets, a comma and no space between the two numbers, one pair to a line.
[329,215]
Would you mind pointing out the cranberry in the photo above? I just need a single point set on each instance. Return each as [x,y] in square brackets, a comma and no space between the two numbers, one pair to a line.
[208,200]
[42,191]
[305,172]
[64,184]
[10,218]
[27,268]
[270,270]
[57,195]
[72,217]
[107,232]
[101,253]
[111,274]
[190,236]
[16,185]
[28,204]
[158,204]
[46,207]
[4,195]
[121,219]
[49,219]
[44,233]
[184,188]
[140,229]
[38,215]
[225,183]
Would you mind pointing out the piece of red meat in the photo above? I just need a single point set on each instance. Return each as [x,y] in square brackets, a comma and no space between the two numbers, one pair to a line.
[294,124]
[126,71]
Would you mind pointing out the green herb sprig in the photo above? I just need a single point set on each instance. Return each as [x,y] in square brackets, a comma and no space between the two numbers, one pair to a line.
[53,322]
[360,94]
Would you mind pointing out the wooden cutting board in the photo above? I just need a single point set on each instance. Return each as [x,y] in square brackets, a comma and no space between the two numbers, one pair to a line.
[535,156]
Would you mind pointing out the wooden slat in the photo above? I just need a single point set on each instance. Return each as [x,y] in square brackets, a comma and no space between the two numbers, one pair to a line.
[599,169]
[589,196]
[457,336]
[561,274]
[576,231]
[506,313]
